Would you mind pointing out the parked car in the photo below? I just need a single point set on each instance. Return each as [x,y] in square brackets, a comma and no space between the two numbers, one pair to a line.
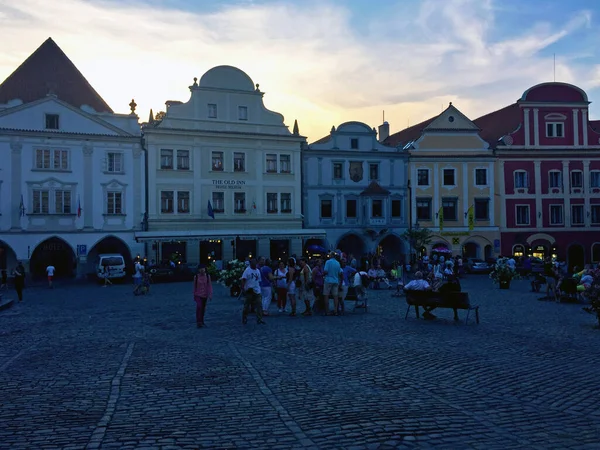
[475,265]
[167,273]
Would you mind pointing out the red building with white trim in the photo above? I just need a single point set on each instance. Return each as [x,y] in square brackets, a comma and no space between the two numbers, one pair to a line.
[548,171]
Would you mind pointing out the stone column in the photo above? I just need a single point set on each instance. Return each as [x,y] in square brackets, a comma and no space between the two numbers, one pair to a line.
[88,187]
[537,173]
[320,171]
[16,187]
[391,172]
[338,208]
[567,193]
[586,192]
[536,127]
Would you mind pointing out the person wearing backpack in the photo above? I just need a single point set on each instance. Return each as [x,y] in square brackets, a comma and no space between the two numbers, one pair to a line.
[203,292]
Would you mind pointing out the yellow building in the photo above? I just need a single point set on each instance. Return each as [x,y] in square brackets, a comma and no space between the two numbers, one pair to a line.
[452,184]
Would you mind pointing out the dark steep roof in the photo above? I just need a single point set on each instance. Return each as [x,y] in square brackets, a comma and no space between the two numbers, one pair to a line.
[407,135]
[49,70]
[499,123]
[374,189]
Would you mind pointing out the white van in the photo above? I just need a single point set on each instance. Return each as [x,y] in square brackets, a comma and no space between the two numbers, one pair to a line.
[113,263]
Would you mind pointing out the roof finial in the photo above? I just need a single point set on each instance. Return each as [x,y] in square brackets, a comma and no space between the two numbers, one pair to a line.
[450,104]
[296,131]
[257,86]
[195,81]
[151,117]
[132,105]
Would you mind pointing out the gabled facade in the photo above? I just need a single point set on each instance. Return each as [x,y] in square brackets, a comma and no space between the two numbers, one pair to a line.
[548,174]
[355,188]
[71,176]
[223,148]
[452,184]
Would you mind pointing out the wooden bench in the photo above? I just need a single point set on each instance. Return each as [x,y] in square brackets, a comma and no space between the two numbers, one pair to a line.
[430,300]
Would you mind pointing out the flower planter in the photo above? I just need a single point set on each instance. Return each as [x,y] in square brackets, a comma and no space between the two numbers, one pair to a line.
[504,284]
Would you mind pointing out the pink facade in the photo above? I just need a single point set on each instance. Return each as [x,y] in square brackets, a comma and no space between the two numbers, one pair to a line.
[551,164]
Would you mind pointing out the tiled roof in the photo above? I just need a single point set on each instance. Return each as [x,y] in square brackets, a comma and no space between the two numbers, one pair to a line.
[374,189]
[408,134]
[322,140]
[49,70]
[499,123]
[595,124]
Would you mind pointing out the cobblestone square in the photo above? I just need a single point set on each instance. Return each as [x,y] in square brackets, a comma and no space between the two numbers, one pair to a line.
[83,366]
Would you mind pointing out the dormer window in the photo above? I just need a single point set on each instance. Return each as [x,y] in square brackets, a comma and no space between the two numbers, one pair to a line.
[555,129]
[51,121]
[354,143]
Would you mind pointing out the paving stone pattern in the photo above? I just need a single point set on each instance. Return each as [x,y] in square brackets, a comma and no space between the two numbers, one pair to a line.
[83,366]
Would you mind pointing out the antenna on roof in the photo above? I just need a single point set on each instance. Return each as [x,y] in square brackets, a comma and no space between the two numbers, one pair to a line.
[554,67]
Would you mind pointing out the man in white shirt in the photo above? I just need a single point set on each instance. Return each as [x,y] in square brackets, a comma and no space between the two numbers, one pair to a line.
[418,284]
[50,271]
[251,289]
[138,277]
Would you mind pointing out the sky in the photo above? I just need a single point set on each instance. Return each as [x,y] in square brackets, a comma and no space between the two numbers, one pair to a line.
[322,62]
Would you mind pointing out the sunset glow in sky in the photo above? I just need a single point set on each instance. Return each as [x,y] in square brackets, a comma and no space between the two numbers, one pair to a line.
[321,62]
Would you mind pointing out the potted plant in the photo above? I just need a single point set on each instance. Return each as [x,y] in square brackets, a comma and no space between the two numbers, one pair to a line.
[231,277]
[503,274]
[592,293]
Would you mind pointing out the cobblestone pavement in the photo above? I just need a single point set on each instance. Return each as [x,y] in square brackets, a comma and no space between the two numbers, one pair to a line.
[92,367]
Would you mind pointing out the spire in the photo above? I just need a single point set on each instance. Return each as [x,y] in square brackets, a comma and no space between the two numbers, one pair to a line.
[296,129]
[151,117]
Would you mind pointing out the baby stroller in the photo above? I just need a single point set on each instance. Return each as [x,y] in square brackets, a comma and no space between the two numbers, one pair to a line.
[568,290]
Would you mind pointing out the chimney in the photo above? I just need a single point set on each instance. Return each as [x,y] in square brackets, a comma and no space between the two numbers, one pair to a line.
[384,131]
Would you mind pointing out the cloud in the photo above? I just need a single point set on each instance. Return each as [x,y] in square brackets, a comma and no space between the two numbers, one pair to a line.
[313,63]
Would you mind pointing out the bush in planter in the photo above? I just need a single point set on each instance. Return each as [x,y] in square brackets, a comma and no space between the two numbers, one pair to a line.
[231,276]
[503,272]
[593,295]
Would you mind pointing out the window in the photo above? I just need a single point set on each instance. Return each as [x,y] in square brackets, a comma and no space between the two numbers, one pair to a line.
[448,178]
[338,171]
[481,177]
[555,179]
[166,202]
[62,202]
[166,159]
[239,162]
[286,203]
[271,163]
[554,129]
[52,122]
[326,209]
[52,159]
[482,209]
[576,179]
[377,208]
[595,179]
[242,112]
[183,160]
[396,209]
[41,202]
[114,162]
[423,209]
[449,206]
[522,212]
[217,161]
[271,203]
[212,110]
[218,202]
[239,202]
[577,215]
[556,214]
[183,202]
[373,171]
[351,209]
[354,143]
[114,203]
[284,164]
[595,214]
[521,179]
[423,177]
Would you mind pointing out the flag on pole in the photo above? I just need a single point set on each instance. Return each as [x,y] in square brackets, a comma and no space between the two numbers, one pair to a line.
[78,207]
[471,217]
[22,207]
[211,212]
[441,217]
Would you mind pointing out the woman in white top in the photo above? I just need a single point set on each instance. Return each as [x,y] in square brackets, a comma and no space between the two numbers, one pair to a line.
[281,285]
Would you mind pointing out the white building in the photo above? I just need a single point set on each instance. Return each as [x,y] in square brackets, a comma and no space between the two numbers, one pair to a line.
[356,189]
[71,172]
[223,148]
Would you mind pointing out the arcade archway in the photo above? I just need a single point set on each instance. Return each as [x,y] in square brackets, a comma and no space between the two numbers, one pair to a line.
[56,252]
[109,244]
[575,257]
[391,248]
[471,250]
[351,244]
[8,257]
